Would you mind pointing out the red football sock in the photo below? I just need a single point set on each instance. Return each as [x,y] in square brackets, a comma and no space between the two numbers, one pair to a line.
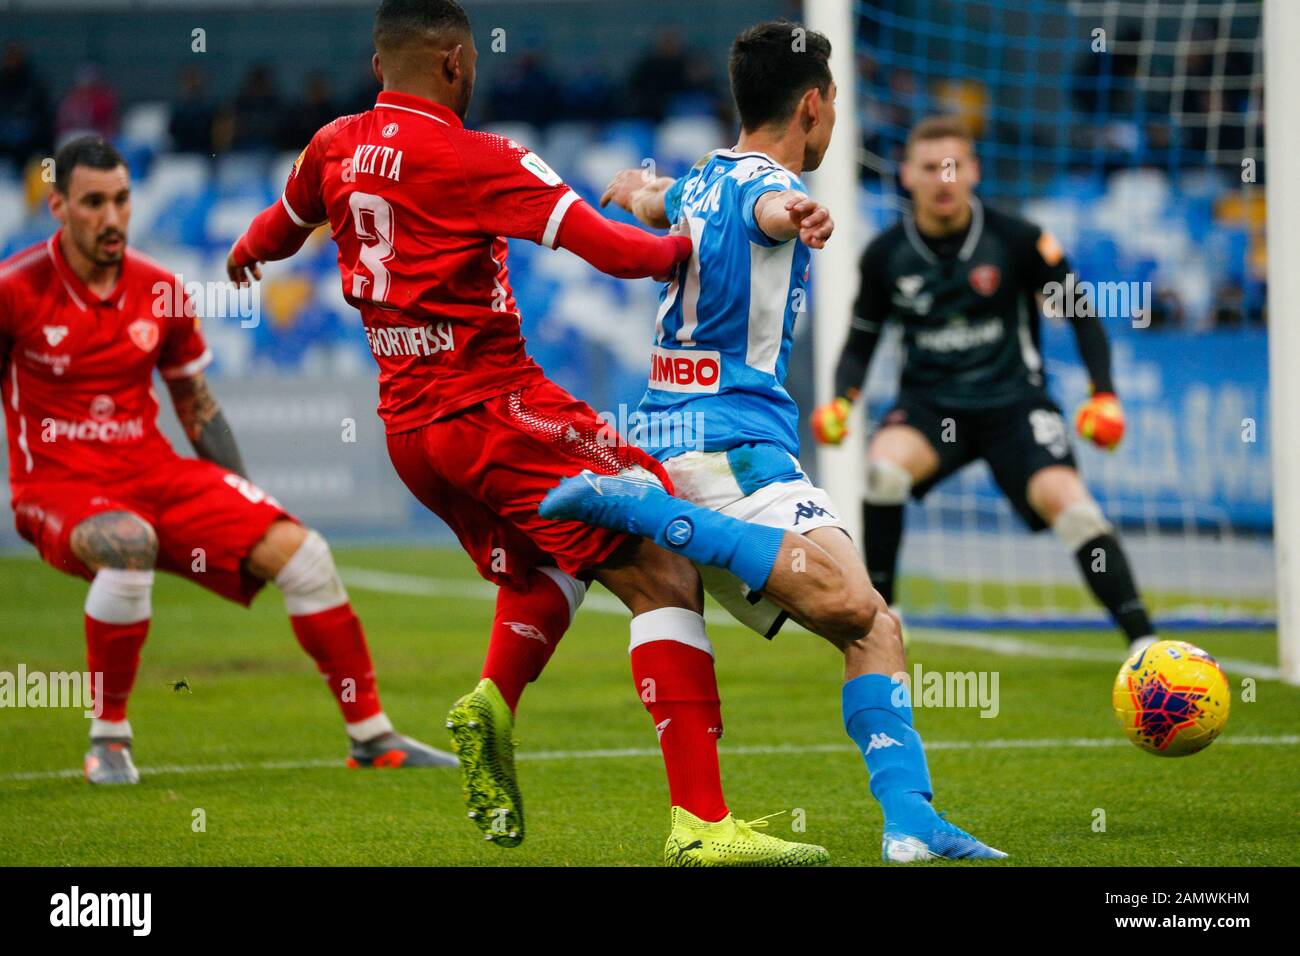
[114,651]
[337,644]
[678,686]
[527,627]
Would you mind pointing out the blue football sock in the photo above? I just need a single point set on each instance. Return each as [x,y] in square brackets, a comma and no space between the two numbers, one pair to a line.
[747,550]
[878,716]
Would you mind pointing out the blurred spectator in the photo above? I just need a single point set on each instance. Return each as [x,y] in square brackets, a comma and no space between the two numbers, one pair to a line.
[527,92]
[314,110]
[1228,310]
[1167,311]
[659,76]
[192,115]
[89,107]
[362,97]
[256,116]
[24,109]
[591,95]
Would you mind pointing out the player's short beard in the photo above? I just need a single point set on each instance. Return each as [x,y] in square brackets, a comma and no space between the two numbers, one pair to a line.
[104,259]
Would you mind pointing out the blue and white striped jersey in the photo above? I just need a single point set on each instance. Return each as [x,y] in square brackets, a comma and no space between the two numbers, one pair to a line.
[726,322]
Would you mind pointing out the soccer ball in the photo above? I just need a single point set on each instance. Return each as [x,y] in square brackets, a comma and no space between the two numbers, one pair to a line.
[1171,699]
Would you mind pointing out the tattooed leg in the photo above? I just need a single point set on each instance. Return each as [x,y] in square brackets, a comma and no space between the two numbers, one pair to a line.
[121,548]
[115,539]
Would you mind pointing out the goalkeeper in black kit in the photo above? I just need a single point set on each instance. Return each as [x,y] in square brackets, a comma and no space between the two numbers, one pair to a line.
[963,281]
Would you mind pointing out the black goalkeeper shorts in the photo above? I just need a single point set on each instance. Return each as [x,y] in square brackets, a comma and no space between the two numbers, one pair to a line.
[1016,440]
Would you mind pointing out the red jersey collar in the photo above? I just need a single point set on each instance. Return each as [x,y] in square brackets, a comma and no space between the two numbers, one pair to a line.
[418,104]
[80,292]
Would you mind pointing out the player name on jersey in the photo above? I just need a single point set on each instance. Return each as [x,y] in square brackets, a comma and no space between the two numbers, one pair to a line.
[378,161]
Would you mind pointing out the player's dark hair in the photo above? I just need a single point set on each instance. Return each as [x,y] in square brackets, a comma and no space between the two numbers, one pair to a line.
[947,126]
[399,21]
[772,65]
[92,151]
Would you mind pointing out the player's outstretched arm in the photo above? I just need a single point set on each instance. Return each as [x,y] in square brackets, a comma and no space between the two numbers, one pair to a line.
[617,249]
[204,423]
[641,195]
[272,235]
[789,213]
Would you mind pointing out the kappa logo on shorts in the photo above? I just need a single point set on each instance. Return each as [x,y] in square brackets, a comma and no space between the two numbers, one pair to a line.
[810,509]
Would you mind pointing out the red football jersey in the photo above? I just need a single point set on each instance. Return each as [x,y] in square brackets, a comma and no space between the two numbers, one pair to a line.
[420,209]
[78,369]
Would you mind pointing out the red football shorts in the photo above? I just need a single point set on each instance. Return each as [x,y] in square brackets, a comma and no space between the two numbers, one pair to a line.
[485,469]
[207,519]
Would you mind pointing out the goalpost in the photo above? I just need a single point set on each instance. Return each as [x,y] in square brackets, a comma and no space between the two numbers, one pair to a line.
[1282,120]
[835,272]
[1073,142]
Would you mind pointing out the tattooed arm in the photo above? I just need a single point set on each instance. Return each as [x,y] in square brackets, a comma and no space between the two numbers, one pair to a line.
[204,423]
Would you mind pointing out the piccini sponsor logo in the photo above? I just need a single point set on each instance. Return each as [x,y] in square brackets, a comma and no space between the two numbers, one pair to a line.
[113,431]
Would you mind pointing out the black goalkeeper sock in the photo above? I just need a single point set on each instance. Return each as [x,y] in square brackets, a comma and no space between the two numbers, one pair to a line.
[883,529]
[1106,570]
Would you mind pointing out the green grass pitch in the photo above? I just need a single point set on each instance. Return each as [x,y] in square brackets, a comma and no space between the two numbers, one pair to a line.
[257,745]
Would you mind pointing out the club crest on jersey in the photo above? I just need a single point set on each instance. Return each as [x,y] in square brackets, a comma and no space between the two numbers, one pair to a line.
[985,279]
[389,131]
[54,334]
[144,333]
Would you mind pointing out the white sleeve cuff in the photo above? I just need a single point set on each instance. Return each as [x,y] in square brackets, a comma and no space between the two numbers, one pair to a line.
[189,369]
[557,216]
[298,220]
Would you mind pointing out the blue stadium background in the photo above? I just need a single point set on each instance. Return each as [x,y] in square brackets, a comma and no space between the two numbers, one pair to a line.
[1134,159]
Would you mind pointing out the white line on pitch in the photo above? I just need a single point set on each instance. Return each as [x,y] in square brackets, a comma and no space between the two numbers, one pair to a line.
[1285,740]
[418,586]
